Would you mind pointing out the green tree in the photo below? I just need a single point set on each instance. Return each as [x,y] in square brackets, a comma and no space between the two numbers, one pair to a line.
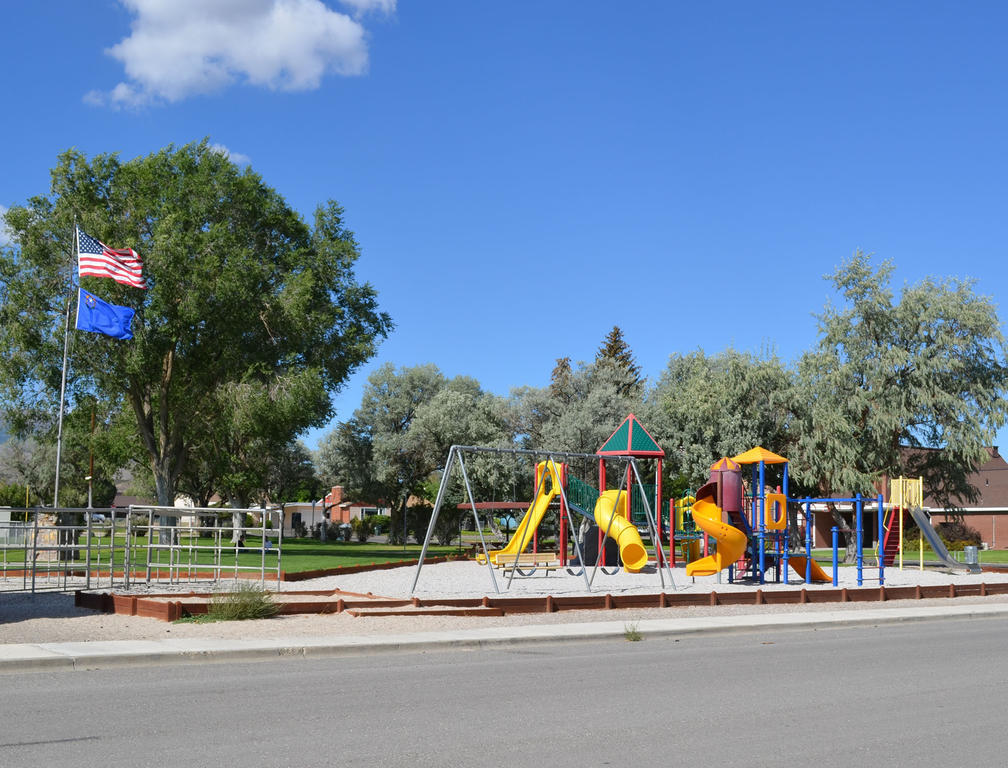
[580,408]
[705,407]
[246,302]
[615,349]
[400,435]
[926,370]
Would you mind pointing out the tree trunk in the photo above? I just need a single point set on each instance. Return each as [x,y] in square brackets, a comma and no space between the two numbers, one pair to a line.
[165,487]
[237,522]
[848,533]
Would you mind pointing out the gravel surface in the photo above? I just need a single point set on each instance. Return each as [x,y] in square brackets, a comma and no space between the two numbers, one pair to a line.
[52,617]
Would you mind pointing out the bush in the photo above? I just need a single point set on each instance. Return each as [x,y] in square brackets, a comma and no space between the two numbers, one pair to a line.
[245,602]
[362,527]
[956,534]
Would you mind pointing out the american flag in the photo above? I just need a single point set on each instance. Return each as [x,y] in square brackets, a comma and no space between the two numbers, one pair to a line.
[96,259]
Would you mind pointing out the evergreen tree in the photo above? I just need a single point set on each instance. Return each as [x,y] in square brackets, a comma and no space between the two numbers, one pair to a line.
[615,350]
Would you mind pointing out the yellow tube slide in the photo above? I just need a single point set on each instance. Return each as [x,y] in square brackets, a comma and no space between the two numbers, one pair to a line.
[611,505]
[549,489]
[731,542]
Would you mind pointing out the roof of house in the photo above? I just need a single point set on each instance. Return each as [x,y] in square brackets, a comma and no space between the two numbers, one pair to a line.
[990,479]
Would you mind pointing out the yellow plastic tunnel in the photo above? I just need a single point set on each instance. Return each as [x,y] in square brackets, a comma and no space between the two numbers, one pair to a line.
[611,505]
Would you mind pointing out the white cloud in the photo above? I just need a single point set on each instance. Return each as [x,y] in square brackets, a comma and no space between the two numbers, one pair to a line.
[179,48]
[235,157]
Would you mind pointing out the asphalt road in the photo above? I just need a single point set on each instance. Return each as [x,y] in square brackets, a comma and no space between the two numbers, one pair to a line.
[922,694]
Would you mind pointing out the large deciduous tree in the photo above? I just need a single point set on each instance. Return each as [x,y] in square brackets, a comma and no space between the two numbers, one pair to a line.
[924,371]
[705,407]
[400,435]
[247,304]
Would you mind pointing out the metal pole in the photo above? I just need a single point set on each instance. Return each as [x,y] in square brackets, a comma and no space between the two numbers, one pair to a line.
[434,516]
[34,551]
[279,547]
[577,544]
[836,575]
[87,551]
[66,351]
[881,552]
[527,520]
[808,544]
[479,527]
[860,539]
[653,526]
[612,516]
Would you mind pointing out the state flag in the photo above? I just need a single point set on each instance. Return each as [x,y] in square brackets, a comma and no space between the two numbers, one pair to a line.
[99,316]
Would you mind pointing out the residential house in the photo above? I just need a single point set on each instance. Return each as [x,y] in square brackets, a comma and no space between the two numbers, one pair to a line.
[335,508]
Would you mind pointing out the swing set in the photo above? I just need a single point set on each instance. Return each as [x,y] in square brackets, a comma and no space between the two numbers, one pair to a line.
[553,483]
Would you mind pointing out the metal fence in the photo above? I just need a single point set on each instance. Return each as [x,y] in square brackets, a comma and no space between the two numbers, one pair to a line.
[65,549]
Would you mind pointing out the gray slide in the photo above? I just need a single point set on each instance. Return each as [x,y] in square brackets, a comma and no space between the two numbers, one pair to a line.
[937,545]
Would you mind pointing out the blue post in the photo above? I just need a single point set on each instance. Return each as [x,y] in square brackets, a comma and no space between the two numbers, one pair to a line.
[761,511]
[808,545]
[860,540]
[782,560]
[836,532]
[881,550]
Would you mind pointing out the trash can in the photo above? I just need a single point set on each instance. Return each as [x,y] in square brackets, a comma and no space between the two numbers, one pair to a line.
[970,555]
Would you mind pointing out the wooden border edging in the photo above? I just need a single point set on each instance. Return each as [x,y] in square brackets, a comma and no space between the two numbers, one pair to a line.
[165,608]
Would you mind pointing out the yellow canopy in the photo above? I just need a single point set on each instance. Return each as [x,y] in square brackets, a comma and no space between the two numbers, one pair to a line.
[725,464]
[758,454]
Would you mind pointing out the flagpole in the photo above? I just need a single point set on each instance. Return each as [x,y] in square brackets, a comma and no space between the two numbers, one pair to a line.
[66,347]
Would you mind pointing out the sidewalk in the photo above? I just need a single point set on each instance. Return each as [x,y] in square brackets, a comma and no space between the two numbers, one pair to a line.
[109,654]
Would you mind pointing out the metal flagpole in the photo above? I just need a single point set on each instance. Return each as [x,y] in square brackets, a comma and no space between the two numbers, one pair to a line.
[66,346]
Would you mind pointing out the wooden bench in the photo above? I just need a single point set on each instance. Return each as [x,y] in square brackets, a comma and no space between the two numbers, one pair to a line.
[529,561]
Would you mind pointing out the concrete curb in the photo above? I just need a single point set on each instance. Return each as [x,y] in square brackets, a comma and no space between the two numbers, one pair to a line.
[15,658]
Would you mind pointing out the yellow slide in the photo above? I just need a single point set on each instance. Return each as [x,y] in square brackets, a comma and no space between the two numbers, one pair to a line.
[798,563]
[549,489]
[731,542]
[611,505]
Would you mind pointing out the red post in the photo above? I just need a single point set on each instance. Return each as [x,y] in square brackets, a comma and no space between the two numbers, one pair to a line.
[657,507]
[601,488]
[671,528]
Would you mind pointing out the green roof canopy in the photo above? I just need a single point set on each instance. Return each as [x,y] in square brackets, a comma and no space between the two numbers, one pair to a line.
[631,439]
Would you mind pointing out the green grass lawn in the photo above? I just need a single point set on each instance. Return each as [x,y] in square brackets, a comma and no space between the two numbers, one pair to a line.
[298,554]
[912,556]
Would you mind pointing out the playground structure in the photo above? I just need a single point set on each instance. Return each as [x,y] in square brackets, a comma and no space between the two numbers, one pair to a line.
[906,496]
[748,534]
[754,535]
[611,513]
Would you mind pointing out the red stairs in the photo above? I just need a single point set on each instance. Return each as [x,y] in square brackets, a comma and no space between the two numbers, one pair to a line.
[890,544]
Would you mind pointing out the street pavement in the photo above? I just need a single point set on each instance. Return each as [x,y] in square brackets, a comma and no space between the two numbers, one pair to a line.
[108,654]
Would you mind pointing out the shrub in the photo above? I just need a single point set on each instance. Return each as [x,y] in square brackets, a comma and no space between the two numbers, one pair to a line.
[956,535]
[246,601]
[362,527]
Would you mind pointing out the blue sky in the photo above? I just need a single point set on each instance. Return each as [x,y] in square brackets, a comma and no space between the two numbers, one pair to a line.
[522,176]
